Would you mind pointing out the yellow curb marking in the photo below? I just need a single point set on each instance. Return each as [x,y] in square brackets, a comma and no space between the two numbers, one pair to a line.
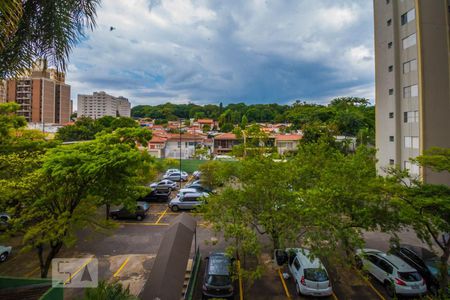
[284,285]
[78,270]
[121,267]
[162,215]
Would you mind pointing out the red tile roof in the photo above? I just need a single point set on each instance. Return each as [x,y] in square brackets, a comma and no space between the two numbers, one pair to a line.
[205,121]
[288,137]
[226,136]
[185,137]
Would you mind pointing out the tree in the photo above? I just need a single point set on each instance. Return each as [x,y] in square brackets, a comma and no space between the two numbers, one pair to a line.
[109,291]
[41,29]
[123,122]
[84,129]
[244,122]
[72,182]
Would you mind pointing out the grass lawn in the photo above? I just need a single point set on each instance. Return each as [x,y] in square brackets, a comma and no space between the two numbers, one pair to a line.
[190,165]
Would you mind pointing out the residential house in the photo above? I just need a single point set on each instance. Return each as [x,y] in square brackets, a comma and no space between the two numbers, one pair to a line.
[224,143]
[156,146]
[287,142]
[183,145]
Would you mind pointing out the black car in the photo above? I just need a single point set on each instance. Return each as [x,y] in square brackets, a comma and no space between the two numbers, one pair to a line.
[159,195]
[424,261]
[124,213]
[217,282]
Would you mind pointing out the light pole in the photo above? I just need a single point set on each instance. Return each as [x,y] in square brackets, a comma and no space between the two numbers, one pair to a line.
[179,129]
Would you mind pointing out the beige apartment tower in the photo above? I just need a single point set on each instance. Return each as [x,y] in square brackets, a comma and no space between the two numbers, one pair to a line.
[412,47]
[101,104]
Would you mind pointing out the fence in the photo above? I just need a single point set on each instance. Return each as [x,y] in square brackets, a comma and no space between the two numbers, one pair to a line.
[193,280]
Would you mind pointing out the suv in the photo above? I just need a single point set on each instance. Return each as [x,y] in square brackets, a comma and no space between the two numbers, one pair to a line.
[424,261]
[311,277]
[157,195]
[186,201]
[396,275]
[217,282]
[124,213]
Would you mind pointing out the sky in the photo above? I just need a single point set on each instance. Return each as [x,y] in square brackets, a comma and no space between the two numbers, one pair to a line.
[211,51]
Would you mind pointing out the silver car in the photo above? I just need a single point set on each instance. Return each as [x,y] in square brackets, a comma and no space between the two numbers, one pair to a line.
[177,176]
[186,201]
[164,184]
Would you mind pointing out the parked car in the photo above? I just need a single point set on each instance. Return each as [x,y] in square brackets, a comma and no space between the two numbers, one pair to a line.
[188,201]
[177,176]
[424,261]
[164,184]
[397,276]
[4,252]
[157,195]
[197,174]
[184,191]
[170,171]
[217,282]
[198,187]
[4,221]
[311,277]
[124,213]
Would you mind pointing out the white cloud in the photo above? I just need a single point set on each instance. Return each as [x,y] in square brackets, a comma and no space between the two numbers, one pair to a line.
[210,51]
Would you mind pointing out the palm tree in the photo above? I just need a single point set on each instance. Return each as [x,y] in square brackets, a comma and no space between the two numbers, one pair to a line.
[48,29]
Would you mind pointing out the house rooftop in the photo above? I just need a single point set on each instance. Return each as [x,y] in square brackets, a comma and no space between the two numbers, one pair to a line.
[226,136]
[288,137]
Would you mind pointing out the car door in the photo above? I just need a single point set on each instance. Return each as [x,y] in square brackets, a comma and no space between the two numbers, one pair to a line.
[371,262]
[190,202]
[295,270]
[385,269]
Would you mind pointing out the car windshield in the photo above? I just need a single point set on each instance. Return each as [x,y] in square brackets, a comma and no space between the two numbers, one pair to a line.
[410,276]
[219,280]
[316,274]
[433,267]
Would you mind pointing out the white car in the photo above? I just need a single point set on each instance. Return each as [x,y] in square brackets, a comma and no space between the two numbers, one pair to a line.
[311,277]
[170,171]
[4,253]
[197,174]
[397,276]
[185,191]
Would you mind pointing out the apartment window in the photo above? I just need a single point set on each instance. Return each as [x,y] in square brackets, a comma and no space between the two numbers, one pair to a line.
[412,168]
[179,145]
[411,91]
[388,1]
[391,91]
[390,45]
[410,66]
[391,138]
[409,41]
[409,16]
[391,115]
[391,162]
[391,68]
[412,142]
[389,22]
[411,116]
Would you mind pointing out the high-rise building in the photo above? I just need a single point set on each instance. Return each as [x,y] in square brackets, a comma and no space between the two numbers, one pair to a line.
[43,95]
[100,104]
[412,47]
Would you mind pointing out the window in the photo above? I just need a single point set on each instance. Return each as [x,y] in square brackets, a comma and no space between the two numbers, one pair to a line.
[409,41]
[411,116]
[385,266]
[373,259]
[391,162]
[409,16]
[296,264]
[391,91]
[411,91]
[391,115]
[388,1]
[412,142]
[179,145]
[412,168]
[390,45]
[391,138]
[389,22]
[410,66]
[391,68]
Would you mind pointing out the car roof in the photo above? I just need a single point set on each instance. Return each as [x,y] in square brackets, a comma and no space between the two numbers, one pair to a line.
[307,262]
[218,264]
[187,190]
[396,261]
[421,252]
[195,194]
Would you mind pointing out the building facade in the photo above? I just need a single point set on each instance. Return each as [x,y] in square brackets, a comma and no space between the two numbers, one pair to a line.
[2,91]
[412,46]
[43,96]
[101,104]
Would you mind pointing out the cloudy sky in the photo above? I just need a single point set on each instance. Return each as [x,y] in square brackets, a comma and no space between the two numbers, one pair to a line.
[210,51]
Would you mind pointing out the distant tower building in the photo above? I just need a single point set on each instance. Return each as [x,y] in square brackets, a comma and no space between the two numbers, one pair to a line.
[412,46]
[100,104]
[42,94]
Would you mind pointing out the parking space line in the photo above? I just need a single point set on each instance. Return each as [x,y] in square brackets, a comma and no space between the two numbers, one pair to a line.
[78,270]
[371,285]
[162,215]
[144,224]
[121,267]
[335,297]
[284,285]
[33,271]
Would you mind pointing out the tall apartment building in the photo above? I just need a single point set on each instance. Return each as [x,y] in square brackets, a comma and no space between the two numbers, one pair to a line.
[412,48]
[44,97]
[100,104]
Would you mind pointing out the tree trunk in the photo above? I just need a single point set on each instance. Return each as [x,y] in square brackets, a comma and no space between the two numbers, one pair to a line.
[45,266]
[443,279]
[108,208]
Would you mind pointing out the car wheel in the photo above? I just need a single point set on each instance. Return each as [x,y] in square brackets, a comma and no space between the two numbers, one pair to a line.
[390,289]
[175,208]
[358,262]
[139,218]
[3,256]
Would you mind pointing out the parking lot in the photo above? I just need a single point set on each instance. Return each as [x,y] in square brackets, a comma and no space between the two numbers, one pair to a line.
[127,253]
